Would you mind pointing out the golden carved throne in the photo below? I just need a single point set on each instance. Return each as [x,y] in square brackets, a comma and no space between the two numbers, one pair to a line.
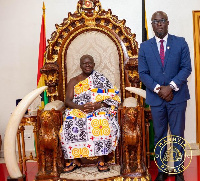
[92,30]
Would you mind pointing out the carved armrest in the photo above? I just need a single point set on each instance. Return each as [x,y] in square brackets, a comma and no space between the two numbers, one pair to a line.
[147,114]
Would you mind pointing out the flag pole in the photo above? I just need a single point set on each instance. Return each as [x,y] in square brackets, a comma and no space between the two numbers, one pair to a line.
[41,58]
[144,31]
[43,8]
[45,92]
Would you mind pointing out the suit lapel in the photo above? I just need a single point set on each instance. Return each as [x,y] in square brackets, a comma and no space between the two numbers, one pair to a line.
[155,50]
[168,49]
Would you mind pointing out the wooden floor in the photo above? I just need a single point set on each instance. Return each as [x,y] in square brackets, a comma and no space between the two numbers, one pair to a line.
[192,173]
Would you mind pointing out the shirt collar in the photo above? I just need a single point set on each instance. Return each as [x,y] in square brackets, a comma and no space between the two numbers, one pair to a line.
[158,39]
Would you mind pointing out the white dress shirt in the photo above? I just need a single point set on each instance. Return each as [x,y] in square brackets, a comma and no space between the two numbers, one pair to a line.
[172,83]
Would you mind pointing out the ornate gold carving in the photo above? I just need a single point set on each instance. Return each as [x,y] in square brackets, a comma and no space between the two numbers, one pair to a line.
[131,71]
[51,79]
[50,73]
[92,158]
[90,21]
[119,179]
[70,28]
[56,48]
[127,44]
[102,22]
[49,61]
[84,19]
[123,179]
[88,6]
[26,121]
[55,93]
[49,153]
[60,40]
[130,53]
[55,58]
[117,30]
[132,167]
[131,136]
[133,74]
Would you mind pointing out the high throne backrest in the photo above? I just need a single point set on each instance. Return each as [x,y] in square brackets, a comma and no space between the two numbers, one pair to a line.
[91,30]
[102,49]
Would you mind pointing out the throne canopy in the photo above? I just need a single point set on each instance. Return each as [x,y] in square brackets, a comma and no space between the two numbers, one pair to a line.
[94,31]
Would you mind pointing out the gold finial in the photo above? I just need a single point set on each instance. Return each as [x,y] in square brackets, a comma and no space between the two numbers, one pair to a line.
[43,8]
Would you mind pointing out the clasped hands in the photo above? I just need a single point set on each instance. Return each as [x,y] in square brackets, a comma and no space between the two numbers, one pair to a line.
[90,107]
[165,92]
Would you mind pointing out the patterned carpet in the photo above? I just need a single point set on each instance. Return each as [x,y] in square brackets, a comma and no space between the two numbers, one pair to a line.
[91,173]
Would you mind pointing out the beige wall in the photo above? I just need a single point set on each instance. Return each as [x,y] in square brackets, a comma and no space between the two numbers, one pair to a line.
[19,42]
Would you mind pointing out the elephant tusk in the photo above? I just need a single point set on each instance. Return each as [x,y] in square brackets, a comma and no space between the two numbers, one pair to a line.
[137,91]
[11,131]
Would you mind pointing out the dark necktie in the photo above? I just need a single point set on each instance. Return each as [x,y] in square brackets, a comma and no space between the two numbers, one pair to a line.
[162,52]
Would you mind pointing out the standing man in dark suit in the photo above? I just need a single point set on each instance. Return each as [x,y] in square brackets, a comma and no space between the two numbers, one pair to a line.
[164,66]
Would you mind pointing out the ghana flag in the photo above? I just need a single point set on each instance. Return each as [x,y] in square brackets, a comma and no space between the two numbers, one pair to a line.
[41,60]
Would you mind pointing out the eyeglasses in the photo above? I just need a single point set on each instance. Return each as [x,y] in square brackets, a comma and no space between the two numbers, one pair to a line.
[161,21]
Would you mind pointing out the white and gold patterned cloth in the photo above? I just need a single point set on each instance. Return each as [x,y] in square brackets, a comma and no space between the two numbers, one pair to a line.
[96,133]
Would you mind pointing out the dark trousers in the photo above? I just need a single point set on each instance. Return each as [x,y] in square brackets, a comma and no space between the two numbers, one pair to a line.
[174,115]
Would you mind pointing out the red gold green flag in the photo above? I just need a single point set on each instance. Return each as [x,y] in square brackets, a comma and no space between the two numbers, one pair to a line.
[41,60]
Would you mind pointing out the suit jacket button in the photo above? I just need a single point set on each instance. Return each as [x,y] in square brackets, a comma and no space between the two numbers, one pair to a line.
[164,73]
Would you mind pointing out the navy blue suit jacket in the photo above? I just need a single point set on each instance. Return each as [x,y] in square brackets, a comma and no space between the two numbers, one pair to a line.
[177,68]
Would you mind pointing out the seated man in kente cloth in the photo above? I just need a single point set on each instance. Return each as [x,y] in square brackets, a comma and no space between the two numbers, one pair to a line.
[90,127]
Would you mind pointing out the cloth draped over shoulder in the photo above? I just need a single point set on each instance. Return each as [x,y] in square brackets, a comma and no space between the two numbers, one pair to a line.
[95,133]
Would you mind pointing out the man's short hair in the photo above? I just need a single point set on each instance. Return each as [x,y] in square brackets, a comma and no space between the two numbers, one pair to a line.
[159,12]
[86,56]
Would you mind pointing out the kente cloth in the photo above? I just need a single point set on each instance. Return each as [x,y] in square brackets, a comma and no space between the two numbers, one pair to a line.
[95,133]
